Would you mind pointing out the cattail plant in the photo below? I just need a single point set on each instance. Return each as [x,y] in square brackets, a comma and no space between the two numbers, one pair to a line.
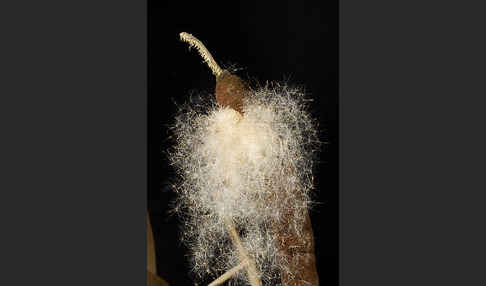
[245,161]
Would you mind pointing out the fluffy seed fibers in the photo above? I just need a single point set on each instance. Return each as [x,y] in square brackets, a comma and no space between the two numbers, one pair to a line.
[246,169]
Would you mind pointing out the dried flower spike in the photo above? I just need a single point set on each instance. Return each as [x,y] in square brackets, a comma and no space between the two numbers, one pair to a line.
[230,89]
[205,54]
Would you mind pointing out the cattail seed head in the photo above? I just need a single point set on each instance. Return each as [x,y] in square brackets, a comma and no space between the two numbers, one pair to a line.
[254,170]
[247,176]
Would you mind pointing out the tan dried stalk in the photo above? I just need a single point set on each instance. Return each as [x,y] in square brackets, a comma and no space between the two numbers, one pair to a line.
[253,275]
[205,54]
[221,279]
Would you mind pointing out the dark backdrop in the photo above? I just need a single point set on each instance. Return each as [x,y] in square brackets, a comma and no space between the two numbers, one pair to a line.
[271,40]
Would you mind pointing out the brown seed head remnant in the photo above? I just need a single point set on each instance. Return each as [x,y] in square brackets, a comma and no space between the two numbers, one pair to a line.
[230,89]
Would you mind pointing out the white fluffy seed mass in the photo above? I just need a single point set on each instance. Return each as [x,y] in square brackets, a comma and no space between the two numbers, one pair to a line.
[250,169]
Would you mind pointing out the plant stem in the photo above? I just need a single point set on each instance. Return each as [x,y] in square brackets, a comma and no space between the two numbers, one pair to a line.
[221,279]
[203,51]
[253,275]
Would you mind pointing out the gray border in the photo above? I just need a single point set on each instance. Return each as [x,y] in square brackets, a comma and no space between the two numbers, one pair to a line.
[74,143]
[411,127]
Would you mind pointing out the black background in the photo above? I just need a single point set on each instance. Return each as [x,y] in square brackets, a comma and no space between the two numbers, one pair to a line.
[270,40]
